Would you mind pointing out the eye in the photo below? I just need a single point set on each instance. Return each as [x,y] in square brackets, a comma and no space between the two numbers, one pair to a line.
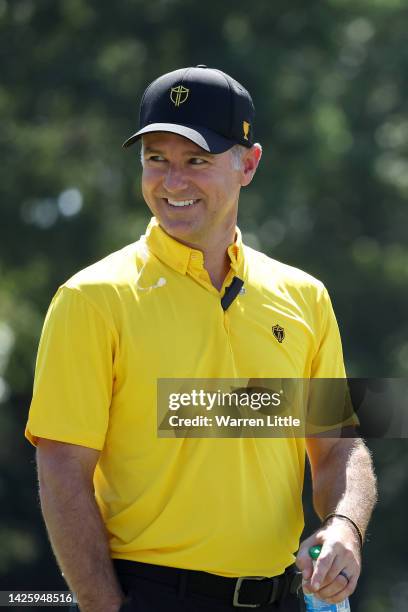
[155,158]
[197,161]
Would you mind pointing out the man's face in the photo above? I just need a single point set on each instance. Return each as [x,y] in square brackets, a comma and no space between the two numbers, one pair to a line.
[192,193]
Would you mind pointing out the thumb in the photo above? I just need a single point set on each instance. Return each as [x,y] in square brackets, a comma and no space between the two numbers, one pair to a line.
[303,559]
[304,562]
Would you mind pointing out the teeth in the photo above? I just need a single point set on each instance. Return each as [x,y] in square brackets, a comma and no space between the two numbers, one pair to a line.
[181,202]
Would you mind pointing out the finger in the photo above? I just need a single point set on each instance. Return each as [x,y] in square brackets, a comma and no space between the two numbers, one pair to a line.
[303,560]
[334,588]
[321,568]
[306,586]
[342,594]
[336,567]
[304,563]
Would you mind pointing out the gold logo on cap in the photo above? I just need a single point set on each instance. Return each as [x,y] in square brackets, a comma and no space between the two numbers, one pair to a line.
[179,94]
[245,127]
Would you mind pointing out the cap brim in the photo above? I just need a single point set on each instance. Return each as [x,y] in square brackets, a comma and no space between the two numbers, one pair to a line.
[204,138]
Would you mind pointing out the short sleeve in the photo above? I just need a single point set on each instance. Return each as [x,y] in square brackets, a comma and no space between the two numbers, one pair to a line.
[329,402]
[74,373]
[328,359]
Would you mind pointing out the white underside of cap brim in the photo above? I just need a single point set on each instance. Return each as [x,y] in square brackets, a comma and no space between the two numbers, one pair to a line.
[207,140]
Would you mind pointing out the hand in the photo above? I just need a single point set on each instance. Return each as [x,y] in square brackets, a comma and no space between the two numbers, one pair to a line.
[340,553]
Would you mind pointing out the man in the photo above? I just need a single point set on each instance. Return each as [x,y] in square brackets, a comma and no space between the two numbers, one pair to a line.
[144,523]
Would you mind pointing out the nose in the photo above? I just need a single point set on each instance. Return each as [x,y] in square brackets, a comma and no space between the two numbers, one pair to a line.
[174,179]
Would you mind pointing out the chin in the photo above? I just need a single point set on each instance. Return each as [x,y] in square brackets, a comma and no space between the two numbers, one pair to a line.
[180,229]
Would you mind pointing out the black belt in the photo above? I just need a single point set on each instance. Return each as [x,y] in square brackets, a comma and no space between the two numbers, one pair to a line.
[243,592]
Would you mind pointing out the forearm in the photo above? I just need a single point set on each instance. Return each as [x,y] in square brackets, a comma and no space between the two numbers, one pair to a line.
[79,541]
[344,482]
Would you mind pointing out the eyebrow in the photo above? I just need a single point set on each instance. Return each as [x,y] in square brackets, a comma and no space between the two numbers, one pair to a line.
[192,153]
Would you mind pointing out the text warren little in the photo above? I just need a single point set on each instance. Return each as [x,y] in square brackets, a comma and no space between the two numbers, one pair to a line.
[228,421]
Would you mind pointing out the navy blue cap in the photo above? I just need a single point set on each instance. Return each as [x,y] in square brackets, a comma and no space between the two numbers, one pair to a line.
[205,105]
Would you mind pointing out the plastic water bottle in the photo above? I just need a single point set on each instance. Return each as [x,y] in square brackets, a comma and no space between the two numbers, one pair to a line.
[313,603]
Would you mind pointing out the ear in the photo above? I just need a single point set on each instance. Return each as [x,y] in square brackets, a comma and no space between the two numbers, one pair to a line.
[250,163]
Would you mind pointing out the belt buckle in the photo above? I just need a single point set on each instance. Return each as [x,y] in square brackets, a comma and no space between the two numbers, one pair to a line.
[240,580]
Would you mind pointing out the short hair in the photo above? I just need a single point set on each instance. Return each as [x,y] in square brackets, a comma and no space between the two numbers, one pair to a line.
[237,153]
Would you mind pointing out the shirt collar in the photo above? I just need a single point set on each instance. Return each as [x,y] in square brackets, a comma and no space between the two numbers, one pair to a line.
[179,256]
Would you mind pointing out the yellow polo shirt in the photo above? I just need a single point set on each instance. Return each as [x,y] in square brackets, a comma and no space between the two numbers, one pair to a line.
[228,506]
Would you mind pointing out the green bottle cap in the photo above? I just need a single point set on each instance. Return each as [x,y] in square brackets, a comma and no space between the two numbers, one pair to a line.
[314,551]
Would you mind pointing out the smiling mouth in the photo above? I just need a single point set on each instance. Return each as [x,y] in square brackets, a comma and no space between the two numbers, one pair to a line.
[180,203]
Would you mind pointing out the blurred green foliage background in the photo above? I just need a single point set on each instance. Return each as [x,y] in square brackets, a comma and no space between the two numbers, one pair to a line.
[329,82]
